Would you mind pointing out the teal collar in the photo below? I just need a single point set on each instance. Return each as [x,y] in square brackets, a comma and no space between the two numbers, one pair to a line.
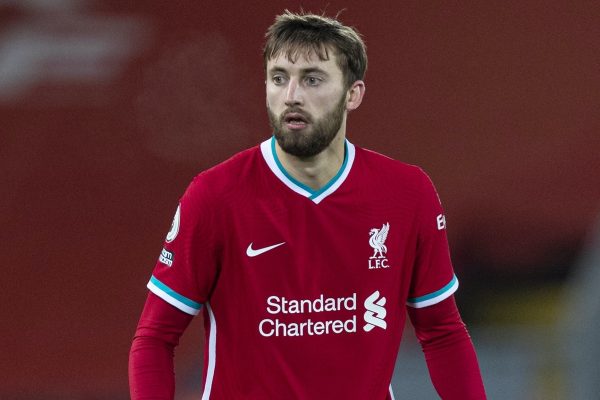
[270,155]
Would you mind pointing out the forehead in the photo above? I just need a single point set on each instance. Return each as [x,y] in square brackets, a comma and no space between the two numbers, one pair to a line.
[304,60]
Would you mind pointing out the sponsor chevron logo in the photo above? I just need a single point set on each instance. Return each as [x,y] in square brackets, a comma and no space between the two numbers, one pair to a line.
[376,312]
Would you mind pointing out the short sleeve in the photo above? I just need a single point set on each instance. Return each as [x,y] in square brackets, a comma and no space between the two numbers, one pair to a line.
[186,267]
[433,278]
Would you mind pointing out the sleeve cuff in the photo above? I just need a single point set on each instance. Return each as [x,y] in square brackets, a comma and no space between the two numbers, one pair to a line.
[172,297]
[435,297]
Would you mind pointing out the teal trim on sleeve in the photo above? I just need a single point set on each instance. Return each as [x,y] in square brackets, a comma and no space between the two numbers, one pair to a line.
[167,290]
[434,294]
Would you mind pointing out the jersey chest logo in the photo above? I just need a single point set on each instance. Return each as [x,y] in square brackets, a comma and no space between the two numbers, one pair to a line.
[250,252]
[377,242]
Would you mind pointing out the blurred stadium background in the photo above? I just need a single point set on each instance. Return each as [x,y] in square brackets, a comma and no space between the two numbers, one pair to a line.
[109,108]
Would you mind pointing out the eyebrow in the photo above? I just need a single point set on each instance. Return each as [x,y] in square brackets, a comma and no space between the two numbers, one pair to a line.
[304,71]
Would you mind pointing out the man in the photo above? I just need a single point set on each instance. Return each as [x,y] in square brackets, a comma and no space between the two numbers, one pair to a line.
[303,252]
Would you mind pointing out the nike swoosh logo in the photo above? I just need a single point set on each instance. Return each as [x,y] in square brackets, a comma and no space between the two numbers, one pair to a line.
[250,252]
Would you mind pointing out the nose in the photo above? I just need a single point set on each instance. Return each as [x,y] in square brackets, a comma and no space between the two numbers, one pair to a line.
[294,94]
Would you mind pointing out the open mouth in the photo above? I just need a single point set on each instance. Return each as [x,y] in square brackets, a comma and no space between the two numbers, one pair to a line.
[295,120]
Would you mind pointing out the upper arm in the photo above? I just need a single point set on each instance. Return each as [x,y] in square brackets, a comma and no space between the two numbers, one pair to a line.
[186,270]
[433,278]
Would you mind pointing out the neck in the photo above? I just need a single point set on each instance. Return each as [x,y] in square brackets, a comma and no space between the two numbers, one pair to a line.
[315,171]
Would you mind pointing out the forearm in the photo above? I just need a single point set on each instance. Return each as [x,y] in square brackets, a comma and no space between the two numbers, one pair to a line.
[454,371]
[151,372]
[449,352]
[151,375]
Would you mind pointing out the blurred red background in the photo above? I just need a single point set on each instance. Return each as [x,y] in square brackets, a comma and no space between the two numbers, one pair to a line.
[108,109]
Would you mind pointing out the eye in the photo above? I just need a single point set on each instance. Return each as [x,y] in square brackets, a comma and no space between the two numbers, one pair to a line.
[278,79]
[313,81]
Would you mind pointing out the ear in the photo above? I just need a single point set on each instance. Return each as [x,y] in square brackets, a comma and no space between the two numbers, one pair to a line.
[355,95]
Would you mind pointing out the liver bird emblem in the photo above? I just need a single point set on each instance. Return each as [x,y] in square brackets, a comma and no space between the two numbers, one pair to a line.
[377,240]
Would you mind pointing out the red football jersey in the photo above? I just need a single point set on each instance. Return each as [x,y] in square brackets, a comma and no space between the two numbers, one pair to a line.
[304,291]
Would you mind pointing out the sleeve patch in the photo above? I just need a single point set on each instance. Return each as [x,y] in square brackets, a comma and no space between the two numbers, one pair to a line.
[172,297]
[435,297]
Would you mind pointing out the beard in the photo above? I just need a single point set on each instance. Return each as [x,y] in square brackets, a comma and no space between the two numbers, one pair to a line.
[313,139]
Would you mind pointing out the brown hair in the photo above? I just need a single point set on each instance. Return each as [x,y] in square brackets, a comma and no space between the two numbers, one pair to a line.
[303,34]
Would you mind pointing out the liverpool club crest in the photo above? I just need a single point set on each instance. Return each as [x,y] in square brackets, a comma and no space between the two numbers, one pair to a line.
[377,242]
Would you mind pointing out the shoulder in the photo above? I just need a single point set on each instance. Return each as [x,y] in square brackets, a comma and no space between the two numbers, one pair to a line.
[390,170]
[227,174]
[212,188]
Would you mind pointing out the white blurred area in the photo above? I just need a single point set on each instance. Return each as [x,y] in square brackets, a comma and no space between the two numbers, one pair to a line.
[553,360]
[53,45]
[581,323]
